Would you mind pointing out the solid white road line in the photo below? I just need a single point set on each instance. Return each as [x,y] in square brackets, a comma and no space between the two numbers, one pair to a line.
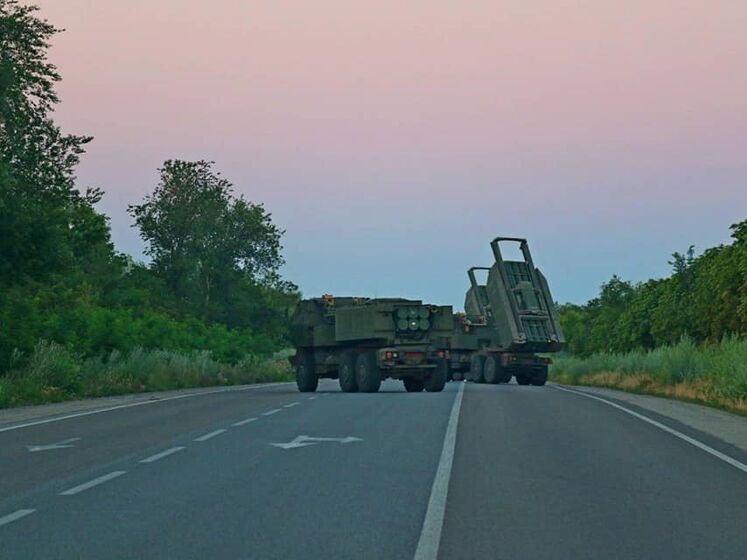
[16,515]
[161,455]
[430,535]
[270,412]
[91,483]
[130,405]
[242,422]
[209,435]
[699,444]
[291,404]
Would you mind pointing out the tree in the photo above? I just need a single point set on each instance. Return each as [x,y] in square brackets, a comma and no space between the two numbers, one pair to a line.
[41,211]
[203,240]
[704,300]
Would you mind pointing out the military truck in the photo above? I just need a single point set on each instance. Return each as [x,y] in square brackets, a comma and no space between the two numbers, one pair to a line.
[361,341]
[506,322]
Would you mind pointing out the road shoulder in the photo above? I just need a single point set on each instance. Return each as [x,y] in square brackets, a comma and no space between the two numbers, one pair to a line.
[730,428]
[18,415]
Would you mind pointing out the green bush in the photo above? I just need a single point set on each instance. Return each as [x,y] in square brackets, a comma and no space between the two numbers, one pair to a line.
[52,373]
[723,366]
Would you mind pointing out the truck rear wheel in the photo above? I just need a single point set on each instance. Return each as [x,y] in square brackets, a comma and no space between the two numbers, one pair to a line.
[539,377]
[346,374]
[492,370]
[436,382]
[306,378]
[367,373]
[413,385]
[476,367]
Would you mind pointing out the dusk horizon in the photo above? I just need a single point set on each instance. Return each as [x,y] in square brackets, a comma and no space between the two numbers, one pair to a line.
[393,143]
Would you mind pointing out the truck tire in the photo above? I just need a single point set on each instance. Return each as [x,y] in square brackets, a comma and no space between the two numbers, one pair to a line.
[476,367]
[346,374]
[539,376]
[524,378]
[307,379]
[413,385]
[492,370]
[367,373]
[437,381]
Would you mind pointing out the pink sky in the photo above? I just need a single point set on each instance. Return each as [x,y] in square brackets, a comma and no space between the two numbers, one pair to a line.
[392,140]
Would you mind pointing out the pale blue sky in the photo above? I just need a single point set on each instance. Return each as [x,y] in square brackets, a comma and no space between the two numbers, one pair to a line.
[393,140]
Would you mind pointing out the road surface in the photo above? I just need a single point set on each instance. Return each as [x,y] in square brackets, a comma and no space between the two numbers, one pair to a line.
[478,471]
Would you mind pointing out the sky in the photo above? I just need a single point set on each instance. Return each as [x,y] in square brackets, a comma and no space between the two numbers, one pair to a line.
[392,140]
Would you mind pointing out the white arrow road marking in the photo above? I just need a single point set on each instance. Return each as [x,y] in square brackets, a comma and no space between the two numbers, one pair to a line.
[59,445]
[303,441]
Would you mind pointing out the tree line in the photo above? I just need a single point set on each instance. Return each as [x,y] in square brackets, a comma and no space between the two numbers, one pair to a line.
[704,300]
[213,280]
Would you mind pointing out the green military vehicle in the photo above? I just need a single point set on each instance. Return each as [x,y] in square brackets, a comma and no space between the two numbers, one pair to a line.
[362,341]
[507,321]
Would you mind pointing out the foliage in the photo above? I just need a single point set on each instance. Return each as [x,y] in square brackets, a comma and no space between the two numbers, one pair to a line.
[205,243]
[704,299]
[76,317]
[681,336]
[53,373]
[713,374]
[46,224]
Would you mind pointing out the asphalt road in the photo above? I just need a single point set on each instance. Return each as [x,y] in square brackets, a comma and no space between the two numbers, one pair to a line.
[477,471]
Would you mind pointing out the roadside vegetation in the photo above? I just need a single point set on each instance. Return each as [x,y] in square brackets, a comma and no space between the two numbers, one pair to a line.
[79,319]
[713,374]
[684,336]
[53,374]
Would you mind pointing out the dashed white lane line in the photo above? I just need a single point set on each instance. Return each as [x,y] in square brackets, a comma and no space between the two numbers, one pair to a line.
[139,403]
[311,398]
[291,404]
[161,455]
[430,535]
[91,483]
[242,422]
[15,516]
[209,435]
[692,441]
[271,412]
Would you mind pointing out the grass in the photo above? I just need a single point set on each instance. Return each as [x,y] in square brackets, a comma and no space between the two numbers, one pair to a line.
[53,374]
[715,375]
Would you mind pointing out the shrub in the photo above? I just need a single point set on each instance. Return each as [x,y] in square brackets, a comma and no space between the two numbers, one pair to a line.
[720,369]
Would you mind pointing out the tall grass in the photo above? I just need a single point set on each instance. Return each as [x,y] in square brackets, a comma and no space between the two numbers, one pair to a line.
[52,373]
[712,374]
